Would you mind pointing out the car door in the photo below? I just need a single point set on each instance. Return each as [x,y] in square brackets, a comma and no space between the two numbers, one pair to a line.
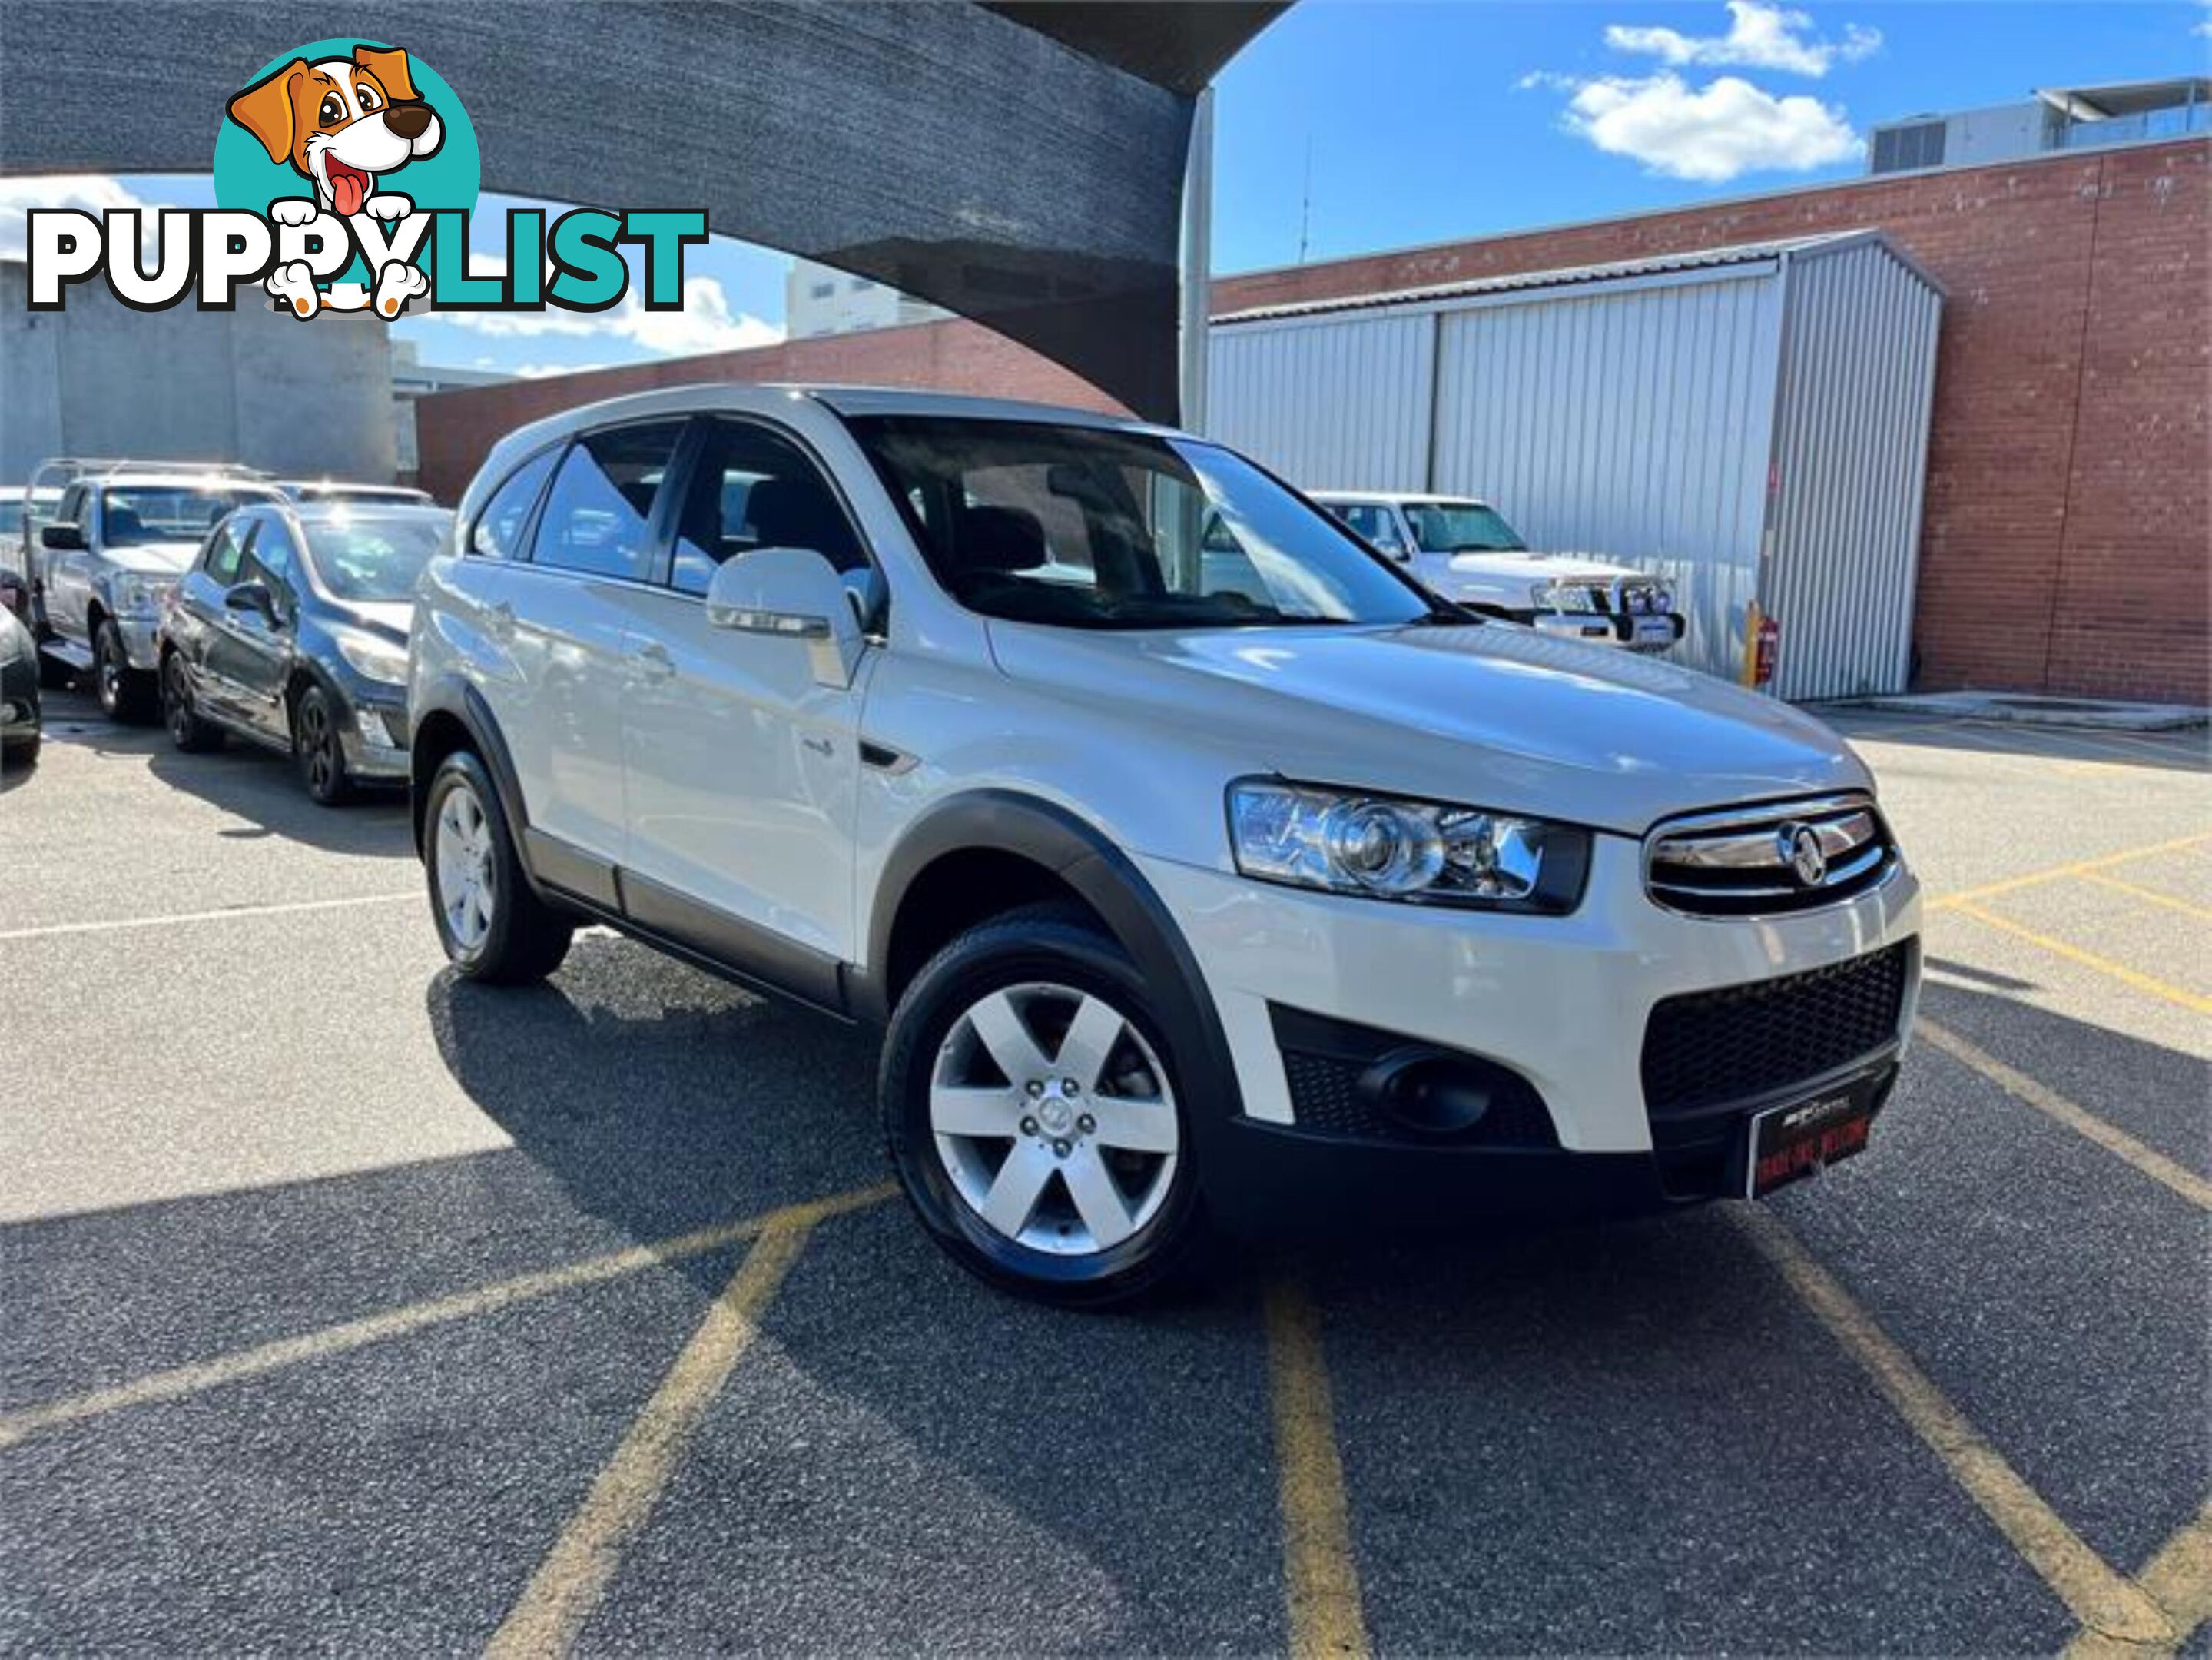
[567,633]
[250,650]
[65,574]
[197,615]
[743,770]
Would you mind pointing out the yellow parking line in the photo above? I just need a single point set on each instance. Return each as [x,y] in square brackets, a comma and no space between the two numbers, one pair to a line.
[2077,868]
[2103,1600]
[573,1578]
[1321,1578]
[231,914]
[2148,895]
[241,1364]
[2089,959]
[2083,1122]
[2179,1580]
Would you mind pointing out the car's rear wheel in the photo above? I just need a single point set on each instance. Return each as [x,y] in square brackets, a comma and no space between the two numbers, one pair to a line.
[125,694]
[492,925]
[1035,1112]
[186,730]
[317,749]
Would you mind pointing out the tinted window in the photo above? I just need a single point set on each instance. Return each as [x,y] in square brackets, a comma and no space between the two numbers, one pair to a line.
[271,559]
[498,533]
[598,517]
[228,547]
[1087,528]
[367,554]
[754,489]
[1460,527]
[132,514]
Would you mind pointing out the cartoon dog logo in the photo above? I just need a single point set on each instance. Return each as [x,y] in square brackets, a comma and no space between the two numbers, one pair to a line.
[343,124]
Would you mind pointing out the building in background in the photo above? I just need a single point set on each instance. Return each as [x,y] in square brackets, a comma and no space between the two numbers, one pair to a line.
[818,301]
[2055,118]
[413,379]
[2066,536]
[252,385]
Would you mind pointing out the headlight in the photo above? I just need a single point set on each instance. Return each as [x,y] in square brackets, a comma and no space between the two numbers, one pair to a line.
[1421,852]
[1570,597]
[142,595]
[1661,600]
[373,659]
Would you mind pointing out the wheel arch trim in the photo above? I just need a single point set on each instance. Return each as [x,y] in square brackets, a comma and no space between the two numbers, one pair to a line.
[459,700]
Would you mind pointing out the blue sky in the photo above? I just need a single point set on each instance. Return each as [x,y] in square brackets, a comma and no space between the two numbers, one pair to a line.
[1424,122]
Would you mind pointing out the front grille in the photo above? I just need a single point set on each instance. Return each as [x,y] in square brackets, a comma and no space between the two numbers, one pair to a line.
[1742,1042]
[1769,859]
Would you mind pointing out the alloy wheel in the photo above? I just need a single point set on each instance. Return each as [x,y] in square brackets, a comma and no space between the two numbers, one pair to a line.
[177,683]
[107,673]
[463,852]
[319,747]
[1055,1119]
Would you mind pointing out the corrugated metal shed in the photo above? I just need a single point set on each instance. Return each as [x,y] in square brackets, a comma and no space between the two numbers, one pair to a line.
[1751,421]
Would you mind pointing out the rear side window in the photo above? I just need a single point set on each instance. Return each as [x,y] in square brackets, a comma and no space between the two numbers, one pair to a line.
[754,489]
[498,533]
[599,517]
[228,547]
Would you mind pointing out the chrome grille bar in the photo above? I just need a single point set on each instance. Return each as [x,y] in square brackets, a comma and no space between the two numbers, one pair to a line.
[1773,857]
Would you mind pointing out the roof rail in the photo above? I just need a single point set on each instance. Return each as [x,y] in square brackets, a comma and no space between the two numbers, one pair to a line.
[70,468]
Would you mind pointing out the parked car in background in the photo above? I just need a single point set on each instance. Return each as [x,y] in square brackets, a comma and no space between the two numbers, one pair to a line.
[121,536]
[290,630]
[1462,550]
[1285,897]
[20,717]
[339,490]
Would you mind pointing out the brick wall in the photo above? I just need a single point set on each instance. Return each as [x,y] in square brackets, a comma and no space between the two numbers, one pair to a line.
[2067,545]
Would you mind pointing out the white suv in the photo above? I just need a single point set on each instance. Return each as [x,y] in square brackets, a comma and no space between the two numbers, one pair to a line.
[1194,883]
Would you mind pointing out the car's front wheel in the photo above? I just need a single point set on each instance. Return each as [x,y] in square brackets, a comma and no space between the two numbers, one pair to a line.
[125,694]
[318,749]
[492,926]
[1035,1112]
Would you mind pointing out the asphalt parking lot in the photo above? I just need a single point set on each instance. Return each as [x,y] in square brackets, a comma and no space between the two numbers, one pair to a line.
[348,1308]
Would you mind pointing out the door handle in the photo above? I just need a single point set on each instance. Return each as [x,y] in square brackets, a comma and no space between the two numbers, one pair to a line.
[654,661]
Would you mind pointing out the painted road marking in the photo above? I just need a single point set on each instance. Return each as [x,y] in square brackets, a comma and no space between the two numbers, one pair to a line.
[2083,1122]
[1321,1577]
[2148,895]
[2078,868]
[2179,1580]
[2147,983]
[177,918]
[573,1580]
[180,1381]
[2107,1603]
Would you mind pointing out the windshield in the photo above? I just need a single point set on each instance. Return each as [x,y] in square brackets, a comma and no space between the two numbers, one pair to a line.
[1086,528]
[133,514]
[1460,527]
[375,556]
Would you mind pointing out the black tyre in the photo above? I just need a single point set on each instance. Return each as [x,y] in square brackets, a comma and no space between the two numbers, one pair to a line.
[1035,1112]
[186,730]
[22,755]
[126,694]
[317,749]
[494,927]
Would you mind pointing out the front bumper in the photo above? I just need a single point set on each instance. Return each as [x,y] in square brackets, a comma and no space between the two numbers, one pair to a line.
[142,643]
[375,737]
[1646,631]
[1562,1002]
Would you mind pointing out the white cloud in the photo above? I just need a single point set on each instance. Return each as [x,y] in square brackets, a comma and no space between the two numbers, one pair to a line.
[1712,133]
[706,324]
[88,193]
[543,371]
[1760,37]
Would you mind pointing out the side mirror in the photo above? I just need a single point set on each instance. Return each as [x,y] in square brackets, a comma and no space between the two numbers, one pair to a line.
[794,592]
[254,597]
[63,536]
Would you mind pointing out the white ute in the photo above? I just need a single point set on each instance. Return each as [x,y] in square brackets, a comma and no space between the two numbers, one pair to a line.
[1460,549]
[1199,868]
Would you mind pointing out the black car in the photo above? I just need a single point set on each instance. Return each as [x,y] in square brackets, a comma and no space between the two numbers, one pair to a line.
[291,630]
[20,721]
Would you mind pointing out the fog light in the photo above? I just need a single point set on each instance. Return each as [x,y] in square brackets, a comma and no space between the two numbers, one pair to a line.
[370,723]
